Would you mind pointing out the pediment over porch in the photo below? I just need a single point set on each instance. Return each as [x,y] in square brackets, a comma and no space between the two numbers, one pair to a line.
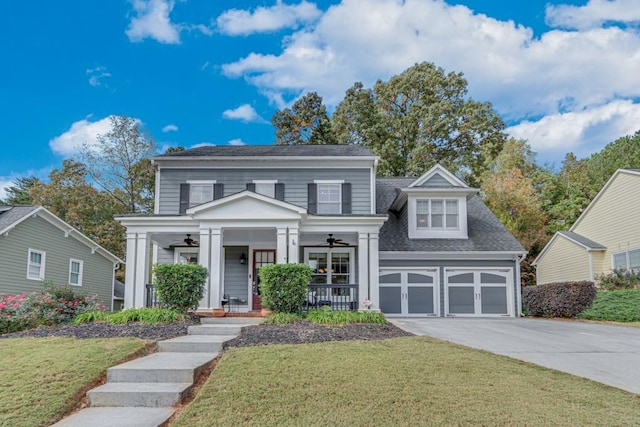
[246,205]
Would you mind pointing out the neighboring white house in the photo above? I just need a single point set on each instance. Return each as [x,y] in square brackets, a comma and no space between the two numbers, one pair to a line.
[423,247]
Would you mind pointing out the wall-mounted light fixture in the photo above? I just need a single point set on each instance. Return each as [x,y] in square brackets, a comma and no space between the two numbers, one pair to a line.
[243,258]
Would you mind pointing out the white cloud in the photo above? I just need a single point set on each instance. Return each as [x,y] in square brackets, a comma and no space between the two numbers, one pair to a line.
[582,132]
[203,144]
[236,141]
[235,22]
[170,128]
[593,14]
[152,20]
[96,75]
[81,132]
[245,113]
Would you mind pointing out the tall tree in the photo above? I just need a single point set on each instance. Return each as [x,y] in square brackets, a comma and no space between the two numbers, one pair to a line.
[306,122]
[18,193]
[69,196]
[119,164]
[418,118]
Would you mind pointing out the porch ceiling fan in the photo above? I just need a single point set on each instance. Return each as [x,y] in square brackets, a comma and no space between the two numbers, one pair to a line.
[189,241]
[332,241]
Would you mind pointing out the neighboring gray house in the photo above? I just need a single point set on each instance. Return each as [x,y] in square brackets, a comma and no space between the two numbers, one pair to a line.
[412,247]
[37,246]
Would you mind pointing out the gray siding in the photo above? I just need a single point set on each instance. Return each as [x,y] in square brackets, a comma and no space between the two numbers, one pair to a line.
[295,184]
[165,256]
[236,275]
[441,264]
[436,180]
[38,234]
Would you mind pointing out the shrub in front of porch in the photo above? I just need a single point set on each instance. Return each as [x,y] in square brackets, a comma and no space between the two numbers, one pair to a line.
[179,286]
[283,287]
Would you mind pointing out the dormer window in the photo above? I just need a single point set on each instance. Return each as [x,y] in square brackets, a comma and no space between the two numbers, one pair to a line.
[437,214]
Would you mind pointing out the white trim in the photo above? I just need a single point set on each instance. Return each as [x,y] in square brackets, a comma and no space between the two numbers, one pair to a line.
[337,183]
[328,181]
[180,249]
[229,199]
[201,181]
[552,241]
[437,233]
[439,169]
[156,198]
[459,255]
[477,284]
[43,258]
[404,284]
[265,181]
[64,227]
[626,256]
[329,251]
[80,270]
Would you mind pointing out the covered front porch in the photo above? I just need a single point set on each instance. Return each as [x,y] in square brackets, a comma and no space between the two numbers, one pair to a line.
[235,236]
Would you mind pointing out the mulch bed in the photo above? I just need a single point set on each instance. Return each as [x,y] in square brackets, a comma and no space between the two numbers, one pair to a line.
[302,332]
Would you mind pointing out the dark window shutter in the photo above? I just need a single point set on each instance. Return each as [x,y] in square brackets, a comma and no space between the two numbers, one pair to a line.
[218,191]
[251,186]
[279,191]
[184,198]
[346,198]
[312,198]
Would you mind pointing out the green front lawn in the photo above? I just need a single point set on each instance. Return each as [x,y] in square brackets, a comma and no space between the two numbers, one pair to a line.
[41,377]
[403,381]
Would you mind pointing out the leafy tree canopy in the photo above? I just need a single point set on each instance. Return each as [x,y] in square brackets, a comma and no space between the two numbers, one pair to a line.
[306,122]
[18,193]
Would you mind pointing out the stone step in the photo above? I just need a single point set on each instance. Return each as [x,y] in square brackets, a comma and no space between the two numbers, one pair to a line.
[231,320]
[225,329]
[149,395]
[121,417]
[161,368]
[194,343]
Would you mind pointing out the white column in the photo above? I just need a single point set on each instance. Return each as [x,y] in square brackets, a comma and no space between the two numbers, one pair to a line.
[204,259]
[363,268]
[215,273]
[141,269]
[294,247]
[374,271]
[281,246]
[130,272]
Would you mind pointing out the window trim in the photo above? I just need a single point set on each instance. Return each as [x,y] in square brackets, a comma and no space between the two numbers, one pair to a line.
[444,214]
[178,250]
[191,183]
[329,251]
[626,254]
[80,271]
[415,232]
[43,260]
[320,182]
[273,183]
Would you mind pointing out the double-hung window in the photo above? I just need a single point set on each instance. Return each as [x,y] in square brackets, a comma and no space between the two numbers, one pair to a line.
[329,197]
[200,192]
[331,266]
[437,214]
[75,272]
[266,188]
[629,260]
[35,264]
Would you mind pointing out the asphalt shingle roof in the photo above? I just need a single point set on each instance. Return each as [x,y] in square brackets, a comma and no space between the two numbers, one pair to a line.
[486,232]
[11,214]
[273,151]
[582,240]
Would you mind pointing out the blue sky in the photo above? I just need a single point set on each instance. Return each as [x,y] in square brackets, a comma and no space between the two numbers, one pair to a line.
[565,75]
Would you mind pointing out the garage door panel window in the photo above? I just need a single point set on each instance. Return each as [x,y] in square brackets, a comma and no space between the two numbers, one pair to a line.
[462,300]
[492,278]
[461,278]
[390,278]
[391,299]
[419,278]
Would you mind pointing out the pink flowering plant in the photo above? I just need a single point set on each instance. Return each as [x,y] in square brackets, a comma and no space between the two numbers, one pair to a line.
[53,306]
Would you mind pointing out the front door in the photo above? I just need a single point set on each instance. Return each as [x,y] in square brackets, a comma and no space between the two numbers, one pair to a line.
[261,257]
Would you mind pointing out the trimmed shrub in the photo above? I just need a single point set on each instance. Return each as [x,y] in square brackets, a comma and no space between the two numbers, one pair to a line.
[562,299]
[615,306]
[150,316]
[326,316]
[283,287]
[179,286]
[619,279]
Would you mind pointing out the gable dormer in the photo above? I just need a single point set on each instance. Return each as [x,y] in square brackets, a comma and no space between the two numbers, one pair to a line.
[436,205]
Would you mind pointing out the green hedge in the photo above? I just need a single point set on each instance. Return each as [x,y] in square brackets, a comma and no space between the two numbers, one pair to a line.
[617,306]
[179,286]
[283,287]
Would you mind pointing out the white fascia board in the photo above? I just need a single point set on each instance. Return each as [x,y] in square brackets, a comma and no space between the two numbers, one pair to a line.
[469,255]
[70,231]
[552,241]
[24,218]
[439,169]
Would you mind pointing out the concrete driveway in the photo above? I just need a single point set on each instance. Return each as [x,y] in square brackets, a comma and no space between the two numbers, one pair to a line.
[605,353]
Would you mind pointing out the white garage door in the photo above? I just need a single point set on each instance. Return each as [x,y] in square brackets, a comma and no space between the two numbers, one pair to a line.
[487,292]
[409,293]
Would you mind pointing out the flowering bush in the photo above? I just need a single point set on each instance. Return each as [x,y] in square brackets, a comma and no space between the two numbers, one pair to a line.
[52,306]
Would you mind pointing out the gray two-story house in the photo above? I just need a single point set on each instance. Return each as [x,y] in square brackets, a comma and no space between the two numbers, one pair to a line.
[423,246]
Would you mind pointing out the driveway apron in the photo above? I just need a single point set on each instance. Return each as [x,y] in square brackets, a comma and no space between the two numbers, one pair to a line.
[609,354]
